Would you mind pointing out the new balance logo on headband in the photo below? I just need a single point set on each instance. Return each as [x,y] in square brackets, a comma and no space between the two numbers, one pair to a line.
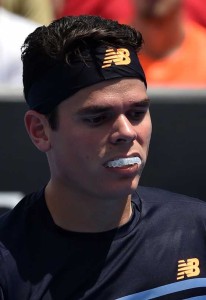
[119,57]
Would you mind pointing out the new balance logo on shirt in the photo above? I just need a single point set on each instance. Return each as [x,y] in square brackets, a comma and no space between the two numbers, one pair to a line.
[189,268]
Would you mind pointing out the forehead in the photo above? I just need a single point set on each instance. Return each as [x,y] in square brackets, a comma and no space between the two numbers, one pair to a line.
[111,92]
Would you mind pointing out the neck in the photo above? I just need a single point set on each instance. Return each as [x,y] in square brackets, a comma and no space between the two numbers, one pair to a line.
[75,212]
[161,36]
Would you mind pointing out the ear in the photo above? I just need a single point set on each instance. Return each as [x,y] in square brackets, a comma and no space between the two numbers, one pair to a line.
[38,128]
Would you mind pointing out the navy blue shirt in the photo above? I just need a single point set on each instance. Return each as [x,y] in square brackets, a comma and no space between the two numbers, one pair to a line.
[159,254]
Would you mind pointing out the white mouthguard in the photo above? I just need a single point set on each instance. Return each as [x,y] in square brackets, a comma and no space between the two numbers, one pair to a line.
[122,162]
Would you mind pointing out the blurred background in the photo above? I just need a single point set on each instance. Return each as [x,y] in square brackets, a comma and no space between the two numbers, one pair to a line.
[173,57]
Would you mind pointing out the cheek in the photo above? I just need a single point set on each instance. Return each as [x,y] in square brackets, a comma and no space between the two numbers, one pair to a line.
[148,130]
[145,130]
[86,147]
[91,144]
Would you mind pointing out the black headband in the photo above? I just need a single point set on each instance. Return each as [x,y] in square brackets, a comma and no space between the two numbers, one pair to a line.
[96,65]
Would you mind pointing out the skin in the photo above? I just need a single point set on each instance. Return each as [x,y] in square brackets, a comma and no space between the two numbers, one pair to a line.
[162,26]
[99,123]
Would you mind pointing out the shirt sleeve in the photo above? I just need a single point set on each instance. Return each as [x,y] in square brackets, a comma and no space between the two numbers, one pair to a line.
[1,294]
[2,276]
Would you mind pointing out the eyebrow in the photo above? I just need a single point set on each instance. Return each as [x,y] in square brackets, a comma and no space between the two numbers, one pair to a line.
[98,109]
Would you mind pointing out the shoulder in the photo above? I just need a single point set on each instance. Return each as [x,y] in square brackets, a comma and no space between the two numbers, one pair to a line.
[13,220]
[159,193]
[17,232]
[164,198]
[171,210]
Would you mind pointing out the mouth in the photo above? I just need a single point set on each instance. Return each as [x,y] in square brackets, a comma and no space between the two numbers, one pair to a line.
[124,162]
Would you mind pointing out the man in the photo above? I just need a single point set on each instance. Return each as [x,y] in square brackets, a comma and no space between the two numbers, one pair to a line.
[89,233]
[173,52]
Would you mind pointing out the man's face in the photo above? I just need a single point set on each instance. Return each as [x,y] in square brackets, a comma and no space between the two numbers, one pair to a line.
[156,8]
[98,125]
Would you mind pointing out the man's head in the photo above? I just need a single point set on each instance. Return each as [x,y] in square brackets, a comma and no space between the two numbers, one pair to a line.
[70,54]
[86,69]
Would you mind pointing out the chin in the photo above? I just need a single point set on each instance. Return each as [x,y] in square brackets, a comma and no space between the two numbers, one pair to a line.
[125,189]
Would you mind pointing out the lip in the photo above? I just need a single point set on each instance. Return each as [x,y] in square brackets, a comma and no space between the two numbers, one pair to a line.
[129,171]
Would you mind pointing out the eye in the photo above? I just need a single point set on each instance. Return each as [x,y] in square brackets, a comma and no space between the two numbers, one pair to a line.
[136,115]
[95,120]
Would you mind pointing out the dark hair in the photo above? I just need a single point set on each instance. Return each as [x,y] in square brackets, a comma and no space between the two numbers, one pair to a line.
[64,39]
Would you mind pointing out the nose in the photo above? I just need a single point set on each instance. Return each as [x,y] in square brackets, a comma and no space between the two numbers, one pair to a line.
[123,131]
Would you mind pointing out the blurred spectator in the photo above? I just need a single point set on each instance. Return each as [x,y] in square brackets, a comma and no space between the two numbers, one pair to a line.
[40,11]
[196,10]
[174,49]
[13,31]
[58,7]
[120,10]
